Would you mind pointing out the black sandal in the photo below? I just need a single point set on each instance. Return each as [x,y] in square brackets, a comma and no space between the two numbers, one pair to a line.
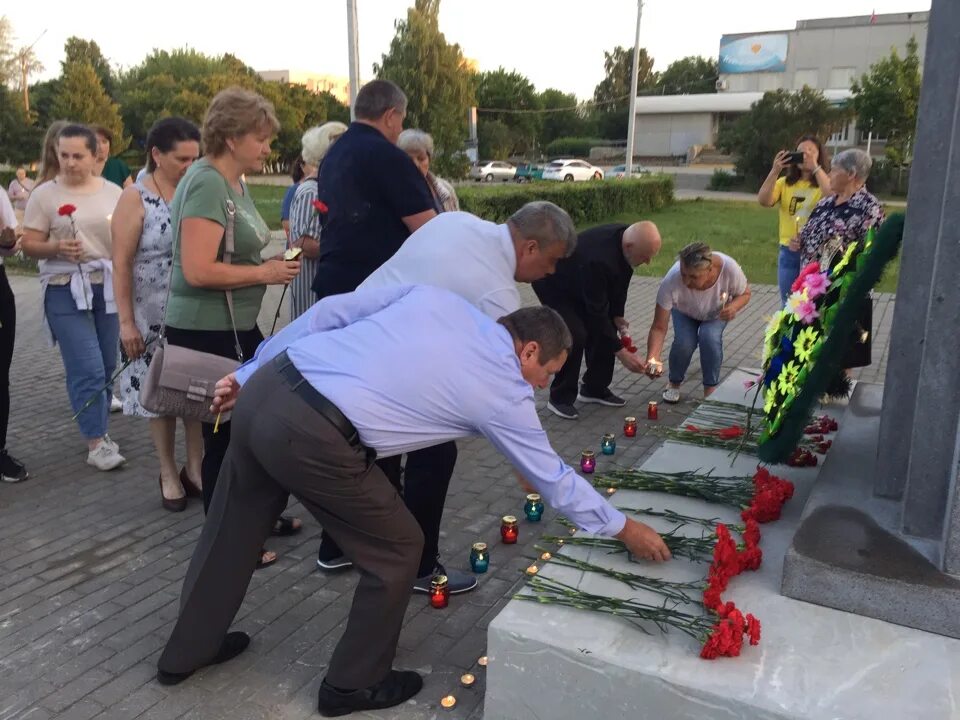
[261,563]
[285,526]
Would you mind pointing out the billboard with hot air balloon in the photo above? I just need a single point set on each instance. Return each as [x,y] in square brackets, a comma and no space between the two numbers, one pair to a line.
[753,53]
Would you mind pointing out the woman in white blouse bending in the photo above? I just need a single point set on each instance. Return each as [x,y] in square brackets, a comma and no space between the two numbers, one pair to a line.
[67,226]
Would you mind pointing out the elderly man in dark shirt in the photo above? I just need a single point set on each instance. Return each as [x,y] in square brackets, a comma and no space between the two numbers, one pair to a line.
[589,290]
[375,195]
[375,198]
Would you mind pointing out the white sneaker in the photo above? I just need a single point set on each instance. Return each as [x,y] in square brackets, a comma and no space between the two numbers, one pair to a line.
[107,440]
[115,404]
[671,395]
[105,457]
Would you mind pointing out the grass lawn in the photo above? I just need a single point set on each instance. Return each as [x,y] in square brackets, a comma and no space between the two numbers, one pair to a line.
[268,199]
[744,231]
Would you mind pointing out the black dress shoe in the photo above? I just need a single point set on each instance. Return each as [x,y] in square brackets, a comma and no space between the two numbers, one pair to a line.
[233,644]
[396,688]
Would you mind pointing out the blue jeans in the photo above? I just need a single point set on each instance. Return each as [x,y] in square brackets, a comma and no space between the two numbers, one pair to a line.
[688,334]
[788,268]
[89,343]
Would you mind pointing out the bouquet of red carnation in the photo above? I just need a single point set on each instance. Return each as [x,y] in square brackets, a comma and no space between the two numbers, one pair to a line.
[770,494]
[627,342]
[320,207]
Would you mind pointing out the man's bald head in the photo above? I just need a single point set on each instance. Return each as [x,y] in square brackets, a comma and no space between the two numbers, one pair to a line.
[641,243]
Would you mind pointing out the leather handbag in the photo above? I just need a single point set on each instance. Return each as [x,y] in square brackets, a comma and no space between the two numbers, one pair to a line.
[180,381]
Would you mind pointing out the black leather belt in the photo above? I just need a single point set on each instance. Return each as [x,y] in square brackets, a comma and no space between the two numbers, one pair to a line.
[318,402]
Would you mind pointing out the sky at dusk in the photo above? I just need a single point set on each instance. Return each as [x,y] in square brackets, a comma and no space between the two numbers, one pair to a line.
[556,43]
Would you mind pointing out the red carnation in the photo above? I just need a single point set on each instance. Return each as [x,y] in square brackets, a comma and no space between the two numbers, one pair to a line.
[66,210]
[810,269]
[753,629]
[320,207]
[725,640]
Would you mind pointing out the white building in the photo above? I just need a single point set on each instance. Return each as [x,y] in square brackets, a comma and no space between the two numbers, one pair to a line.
[825,54]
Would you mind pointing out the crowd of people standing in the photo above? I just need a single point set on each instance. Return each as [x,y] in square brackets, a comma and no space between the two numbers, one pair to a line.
[406,334]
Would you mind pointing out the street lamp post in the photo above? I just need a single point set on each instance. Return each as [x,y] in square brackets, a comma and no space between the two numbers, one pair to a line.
[353,48]
[632,119]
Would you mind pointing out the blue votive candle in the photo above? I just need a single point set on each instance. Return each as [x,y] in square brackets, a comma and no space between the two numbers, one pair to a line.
[479,557]
[533,508]
[608,444]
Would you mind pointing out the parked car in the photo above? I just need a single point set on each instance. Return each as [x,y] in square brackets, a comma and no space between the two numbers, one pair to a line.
[490,170]
[571,171]
[618,171]
[527,172]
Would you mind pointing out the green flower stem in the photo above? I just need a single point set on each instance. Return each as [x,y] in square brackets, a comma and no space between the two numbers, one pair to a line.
[553,592]
[669,589]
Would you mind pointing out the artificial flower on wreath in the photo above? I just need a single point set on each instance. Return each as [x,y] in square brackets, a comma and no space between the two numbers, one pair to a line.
[805,343]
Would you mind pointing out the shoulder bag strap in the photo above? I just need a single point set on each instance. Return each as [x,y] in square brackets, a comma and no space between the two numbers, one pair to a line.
[227,255]
[228,248]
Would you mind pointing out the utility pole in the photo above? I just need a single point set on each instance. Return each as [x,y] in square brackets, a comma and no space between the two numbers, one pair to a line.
[632,119]
[353,49]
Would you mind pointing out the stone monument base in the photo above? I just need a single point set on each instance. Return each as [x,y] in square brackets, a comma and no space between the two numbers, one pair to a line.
[849,553]
[812,662]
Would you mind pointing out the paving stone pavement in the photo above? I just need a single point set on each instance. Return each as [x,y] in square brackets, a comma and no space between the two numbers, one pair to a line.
[91,565]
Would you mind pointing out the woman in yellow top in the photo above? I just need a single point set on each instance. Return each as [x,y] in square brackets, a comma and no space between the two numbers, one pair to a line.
[796,193]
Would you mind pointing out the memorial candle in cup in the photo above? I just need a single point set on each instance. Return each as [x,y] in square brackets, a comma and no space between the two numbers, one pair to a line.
[509,531]
[479,558]
[630,426]
[608,444]
[652,410]
[533,508]
[439,592]
[588,461]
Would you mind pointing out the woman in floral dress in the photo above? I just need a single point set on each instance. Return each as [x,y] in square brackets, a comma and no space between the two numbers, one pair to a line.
[142,255]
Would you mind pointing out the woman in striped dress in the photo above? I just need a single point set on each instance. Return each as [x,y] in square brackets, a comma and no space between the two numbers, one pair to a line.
[304,218]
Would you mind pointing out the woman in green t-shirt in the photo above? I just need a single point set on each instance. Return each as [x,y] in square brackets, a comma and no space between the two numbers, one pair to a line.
[795,194]
[237,131]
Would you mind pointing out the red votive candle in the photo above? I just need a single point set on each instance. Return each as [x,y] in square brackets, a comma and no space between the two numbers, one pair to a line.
[509,531]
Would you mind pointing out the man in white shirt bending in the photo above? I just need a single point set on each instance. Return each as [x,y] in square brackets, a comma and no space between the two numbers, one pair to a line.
[481,262]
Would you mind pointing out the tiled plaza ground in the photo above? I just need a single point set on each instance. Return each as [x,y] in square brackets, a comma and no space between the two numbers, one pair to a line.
[91,566]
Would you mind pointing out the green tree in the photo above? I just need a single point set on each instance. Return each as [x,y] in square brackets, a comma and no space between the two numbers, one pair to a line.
[335,109]
[612,94]
[494,139]
[179,82]
[79,50]
[886,100]
[688,76]
[83,99]
[435,78]
[511,99]
[19,139]
[563,122]
[774,123]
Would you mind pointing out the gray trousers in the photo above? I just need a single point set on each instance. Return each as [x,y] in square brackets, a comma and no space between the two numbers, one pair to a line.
[279,446]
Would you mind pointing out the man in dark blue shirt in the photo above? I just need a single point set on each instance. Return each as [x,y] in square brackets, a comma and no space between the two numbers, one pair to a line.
[375,198]
[375,195]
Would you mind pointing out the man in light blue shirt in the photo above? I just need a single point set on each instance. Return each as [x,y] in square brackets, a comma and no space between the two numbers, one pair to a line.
[482,262]
[360,375]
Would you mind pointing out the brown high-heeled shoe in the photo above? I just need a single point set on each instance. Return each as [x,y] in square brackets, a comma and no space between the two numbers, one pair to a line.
[172,504]
[189,487]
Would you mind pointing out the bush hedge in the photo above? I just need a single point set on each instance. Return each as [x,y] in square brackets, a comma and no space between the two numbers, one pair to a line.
[576,146]
[587,202]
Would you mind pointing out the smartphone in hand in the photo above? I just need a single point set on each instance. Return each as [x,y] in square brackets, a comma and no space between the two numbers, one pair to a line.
[794,158]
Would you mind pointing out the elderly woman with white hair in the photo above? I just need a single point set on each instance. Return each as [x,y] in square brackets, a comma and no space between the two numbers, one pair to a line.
[305,218]
[847,214]
[419,146]
[835,223]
